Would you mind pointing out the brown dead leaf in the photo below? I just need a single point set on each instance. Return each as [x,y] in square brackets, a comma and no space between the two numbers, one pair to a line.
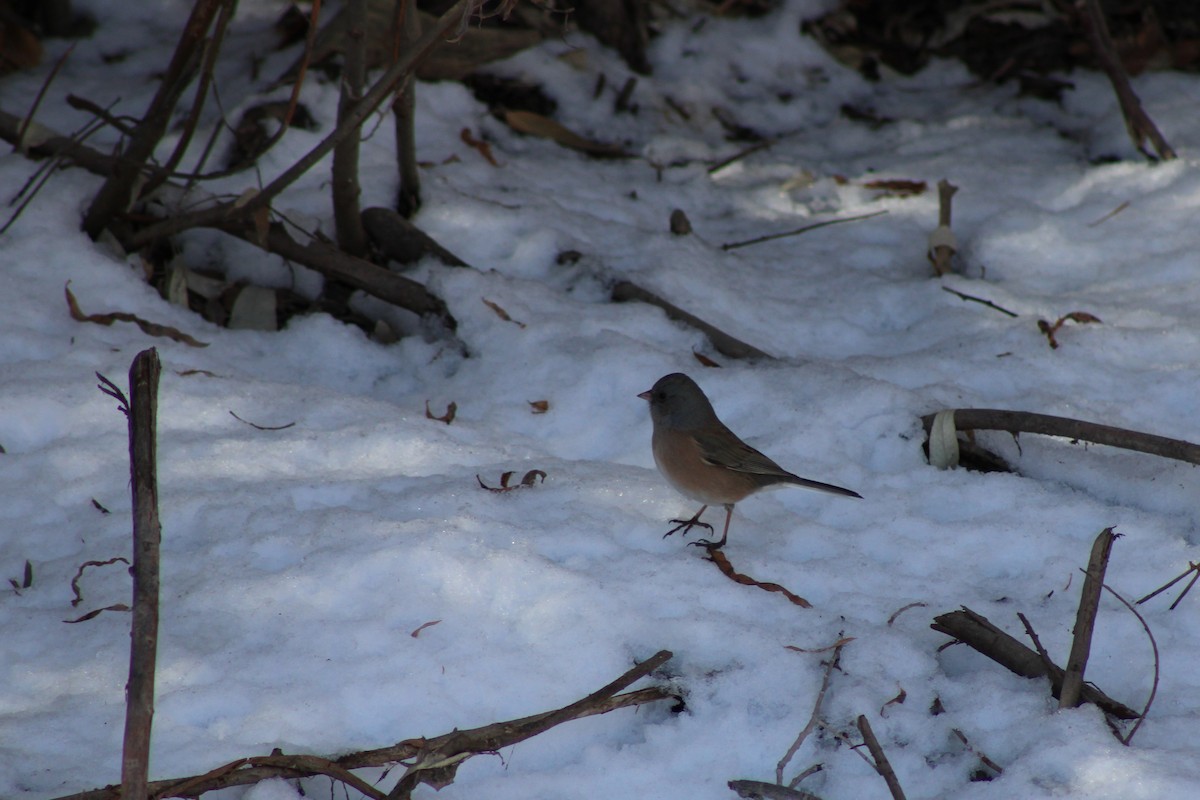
[97,612]
[527,482]
[895,701]
[98,507]
[447,418]
[149,328]
[722,561]
[546,128]
[501,313]
[1050,329]
[705,360]
[539,406]
[896,187]
[901,610]
[256,426]
[483,147]
[79,574]
[422,627]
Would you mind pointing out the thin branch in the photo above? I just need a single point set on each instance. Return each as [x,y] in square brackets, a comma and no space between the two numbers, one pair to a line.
[147,535]
[1028,422]
[1193,567]
[217,215]
[247,771]
[882,765]
[1137,121]
[725,344]
[1153,646]
[804,229]
[19,145]
[813,719]
[351,236]
[972,298]
[979,634]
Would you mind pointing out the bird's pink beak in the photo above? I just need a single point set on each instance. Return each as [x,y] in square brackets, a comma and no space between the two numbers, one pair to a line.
[645,395]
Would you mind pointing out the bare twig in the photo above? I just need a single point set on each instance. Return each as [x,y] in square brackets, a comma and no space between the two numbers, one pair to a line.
[212,49]
[1193,570]
[406,31]
[813,719]
[1137,121]
[1085,619]
[882,765]
[804,229]
[977,632]
[117,192]
[247,771]
[219,215]
[725,344]
[761,790]
[1027,422]
[351,236]
[19,145]
[1153,646]
[147,535]
[972,298]
[987,762]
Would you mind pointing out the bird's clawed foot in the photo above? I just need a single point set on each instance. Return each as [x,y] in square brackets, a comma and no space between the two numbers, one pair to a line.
[709,544]
[687,524]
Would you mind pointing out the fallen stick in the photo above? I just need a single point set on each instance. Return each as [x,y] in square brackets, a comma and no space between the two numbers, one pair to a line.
[1028,422]
[1085,619]
[975,631]
[624,291]
[246,771]
[882,765]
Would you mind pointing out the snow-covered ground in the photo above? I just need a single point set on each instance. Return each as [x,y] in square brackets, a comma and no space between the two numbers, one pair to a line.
[296,563]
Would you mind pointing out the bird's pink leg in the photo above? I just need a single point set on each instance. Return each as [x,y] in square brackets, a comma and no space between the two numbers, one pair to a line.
[711,545]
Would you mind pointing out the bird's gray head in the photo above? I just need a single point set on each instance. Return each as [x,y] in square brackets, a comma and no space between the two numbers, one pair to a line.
[677,402]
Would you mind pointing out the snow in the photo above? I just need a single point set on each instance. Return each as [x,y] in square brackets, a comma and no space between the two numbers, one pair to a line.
[297,562]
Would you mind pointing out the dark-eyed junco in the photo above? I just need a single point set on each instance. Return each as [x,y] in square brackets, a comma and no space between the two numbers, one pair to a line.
[704,460]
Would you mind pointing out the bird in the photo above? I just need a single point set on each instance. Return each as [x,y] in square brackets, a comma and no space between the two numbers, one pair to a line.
[704,460]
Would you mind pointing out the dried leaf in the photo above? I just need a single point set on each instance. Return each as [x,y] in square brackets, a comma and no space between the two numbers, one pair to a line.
[897,187]
[528,481]
[149,328]
[97,612]
[1080,316]
[897,700]
[245,197]
[189,372]
[546,128]
[539,406]
[447,418]
[501,313]
[845,640]
[1051,329]
[262,427]
[98,507]
[902,609]
[722,562]
[483,147]
[79,574]
[429,624]
[705,360]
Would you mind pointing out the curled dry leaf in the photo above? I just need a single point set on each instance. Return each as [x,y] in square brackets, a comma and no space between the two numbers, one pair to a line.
[262,427]
[539,406]
[422,627]
[705,360]
[722,562]
[447,418]
[528,481]
[149,328]
[483,147]
[1050,329]
[537,125]
[79,574]
[98,507]
[501,313]
[895,701]
[97,612]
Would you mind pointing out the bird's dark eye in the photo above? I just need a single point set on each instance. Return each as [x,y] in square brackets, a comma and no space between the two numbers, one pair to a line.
[660,396]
